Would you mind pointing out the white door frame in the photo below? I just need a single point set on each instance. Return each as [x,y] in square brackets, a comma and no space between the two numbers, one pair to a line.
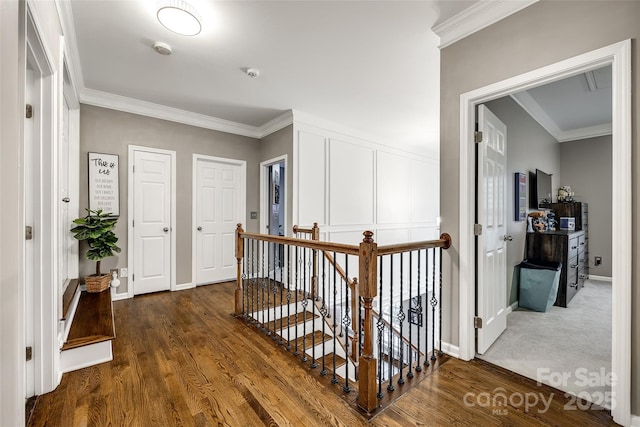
[45,196]
[618,56]
[242,208]
[264,193]
[130,205]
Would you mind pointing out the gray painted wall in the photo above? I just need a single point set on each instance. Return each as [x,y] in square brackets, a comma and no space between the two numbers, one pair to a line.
[586,167]
[109,131]
[543,33]
[529,146]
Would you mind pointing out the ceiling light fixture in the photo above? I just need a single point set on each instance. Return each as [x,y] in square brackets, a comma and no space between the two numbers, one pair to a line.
[179,17]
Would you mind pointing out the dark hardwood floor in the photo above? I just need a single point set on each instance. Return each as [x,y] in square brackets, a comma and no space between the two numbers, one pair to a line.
[182,359]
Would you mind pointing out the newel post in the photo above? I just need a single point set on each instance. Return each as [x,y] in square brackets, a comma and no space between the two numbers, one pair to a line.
[368,273]
[239,256]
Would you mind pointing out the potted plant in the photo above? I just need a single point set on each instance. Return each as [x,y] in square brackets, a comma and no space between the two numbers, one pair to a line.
[97,229]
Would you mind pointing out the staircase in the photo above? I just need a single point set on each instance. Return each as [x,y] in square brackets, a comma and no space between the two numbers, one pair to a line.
[300,327]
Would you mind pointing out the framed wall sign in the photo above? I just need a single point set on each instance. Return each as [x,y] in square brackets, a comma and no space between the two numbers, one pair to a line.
[520,196]
[104,183]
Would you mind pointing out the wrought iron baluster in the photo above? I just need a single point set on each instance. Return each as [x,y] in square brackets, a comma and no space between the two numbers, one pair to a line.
[305,301]
[295,352]
[434,302]
[268,288]
[419,314]
[281,285]
[288,297]
[346,321]
[323,311]
[401,317]
[253,280]
[380,327]
[426,308]
[440,306]
[334,379]
[313,286]
[390,354]
[410,346]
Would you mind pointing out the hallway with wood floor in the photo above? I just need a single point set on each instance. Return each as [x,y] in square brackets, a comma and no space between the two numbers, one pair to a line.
[182,359]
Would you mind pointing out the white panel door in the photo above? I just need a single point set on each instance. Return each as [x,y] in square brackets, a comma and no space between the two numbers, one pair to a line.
[492,265]
[217,212]
[152,232]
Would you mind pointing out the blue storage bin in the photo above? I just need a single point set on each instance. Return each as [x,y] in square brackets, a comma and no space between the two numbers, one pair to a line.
[538,284]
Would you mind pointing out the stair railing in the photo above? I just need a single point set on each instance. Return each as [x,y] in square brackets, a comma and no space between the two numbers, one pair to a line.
[402,280]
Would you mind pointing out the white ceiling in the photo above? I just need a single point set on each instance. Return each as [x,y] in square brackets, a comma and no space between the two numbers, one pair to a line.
[372,66]
[369,66]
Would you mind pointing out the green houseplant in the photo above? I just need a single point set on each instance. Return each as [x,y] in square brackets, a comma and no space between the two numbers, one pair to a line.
[97,229]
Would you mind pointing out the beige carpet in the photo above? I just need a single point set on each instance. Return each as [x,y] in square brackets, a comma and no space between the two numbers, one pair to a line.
[566,348]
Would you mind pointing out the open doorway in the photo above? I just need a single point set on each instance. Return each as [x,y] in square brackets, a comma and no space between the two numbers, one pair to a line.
[572,143]
[618,55]
[273,210]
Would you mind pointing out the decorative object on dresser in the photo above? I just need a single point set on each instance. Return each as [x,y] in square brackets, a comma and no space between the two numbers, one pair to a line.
[97,229]
[567,247]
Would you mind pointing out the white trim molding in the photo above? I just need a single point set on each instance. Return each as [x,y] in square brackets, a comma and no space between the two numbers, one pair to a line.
[618,56]
[476,17]
[451,350]
[526,101]
[635,421]
[600,278]
[264,193]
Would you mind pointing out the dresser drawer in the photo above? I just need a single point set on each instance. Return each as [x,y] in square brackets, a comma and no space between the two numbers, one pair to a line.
[572,250]
[582,243]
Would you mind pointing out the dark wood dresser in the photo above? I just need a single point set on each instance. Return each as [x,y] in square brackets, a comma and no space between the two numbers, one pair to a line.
[567,247]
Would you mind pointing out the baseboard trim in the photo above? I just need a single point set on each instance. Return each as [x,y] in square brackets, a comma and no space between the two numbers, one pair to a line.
[183,286]
[512,308]
[451,350]
[635,420]
[119,296]
[601,278]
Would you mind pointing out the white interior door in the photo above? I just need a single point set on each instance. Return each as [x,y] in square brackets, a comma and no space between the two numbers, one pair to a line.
[492,266]
[218,208]
[152,222]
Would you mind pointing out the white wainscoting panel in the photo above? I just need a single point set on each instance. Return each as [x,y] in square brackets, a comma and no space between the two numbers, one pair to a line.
[392,236]
[351,183]
[425,193]
[394,188]
[312,179]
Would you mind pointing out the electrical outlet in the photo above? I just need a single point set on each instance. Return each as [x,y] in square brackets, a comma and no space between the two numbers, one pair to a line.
[124,272]
[598,260]
[114,270]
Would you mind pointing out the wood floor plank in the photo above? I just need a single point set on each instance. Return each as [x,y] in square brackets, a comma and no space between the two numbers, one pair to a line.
[182,359]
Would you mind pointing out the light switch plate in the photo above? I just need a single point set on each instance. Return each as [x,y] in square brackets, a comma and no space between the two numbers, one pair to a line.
[254,215]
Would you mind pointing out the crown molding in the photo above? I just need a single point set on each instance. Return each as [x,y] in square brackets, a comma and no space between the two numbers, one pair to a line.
[534,109]
[475,18]
[149,109]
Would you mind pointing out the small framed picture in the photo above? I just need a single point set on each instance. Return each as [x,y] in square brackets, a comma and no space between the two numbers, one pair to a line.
[415,316]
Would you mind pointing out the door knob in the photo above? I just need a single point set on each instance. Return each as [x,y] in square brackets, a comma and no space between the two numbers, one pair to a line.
[507,238]
[166,229]
[199,228]
[66,200]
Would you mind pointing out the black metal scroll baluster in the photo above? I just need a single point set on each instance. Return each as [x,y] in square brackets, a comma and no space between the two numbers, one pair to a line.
[295,352]
[346,321]
[281,285]
[401,317]
[288,261]
[440,306]
[313,287]
[268,288]
[390,354]
[253,280]
[426,308]
[334,379]
[380,327]
[323,311]
[305,302]
[419,315]
[410,346]
[434,302]
[274,289]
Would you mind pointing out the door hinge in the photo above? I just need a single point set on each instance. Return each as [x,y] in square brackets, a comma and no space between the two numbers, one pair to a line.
[133,223]
[134,168]
[477,229]
[477,137]
[28,232]
[29,111]
[133,277]
[29,353]
[477,322]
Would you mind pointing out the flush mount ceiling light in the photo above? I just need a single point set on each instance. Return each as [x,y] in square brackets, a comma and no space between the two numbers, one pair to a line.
[179,17]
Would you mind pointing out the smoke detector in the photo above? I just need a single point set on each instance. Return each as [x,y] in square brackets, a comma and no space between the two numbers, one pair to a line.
[162,48]
[253,72]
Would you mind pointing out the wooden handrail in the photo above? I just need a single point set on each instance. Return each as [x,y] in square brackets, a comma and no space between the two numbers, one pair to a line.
[311,244]
[444,242]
